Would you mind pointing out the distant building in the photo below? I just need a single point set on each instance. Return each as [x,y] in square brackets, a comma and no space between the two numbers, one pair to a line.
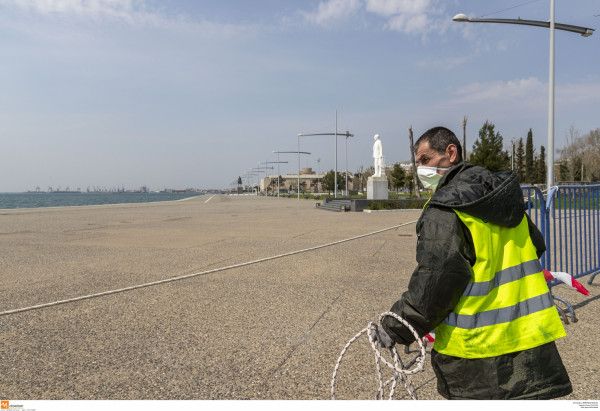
[310,182]
[407,166]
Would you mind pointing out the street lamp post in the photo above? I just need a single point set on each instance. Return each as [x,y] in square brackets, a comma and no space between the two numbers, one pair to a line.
[347,134]
[249,179]
[298,186]
[274,162]
[347,192]
[293,152]
[259,168]
[318,173]
[584,31]
[512,162]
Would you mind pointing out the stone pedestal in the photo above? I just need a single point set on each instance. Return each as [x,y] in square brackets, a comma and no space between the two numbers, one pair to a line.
[377,188]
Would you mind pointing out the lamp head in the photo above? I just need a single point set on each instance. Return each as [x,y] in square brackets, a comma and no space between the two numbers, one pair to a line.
[460,17]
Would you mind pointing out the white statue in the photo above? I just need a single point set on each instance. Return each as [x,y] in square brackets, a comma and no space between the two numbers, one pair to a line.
[378,157]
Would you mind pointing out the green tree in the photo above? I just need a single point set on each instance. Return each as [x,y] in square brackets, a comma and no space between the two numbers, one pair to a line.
[410,183]
[577,165]
[520,161]
[487,150]
[530,169]
[328,181]
[541,166]
[398,177]
[303,186]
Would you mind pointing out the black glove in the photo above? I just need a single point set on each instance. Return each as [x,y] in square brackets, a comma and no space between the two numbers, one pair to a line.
[384,340]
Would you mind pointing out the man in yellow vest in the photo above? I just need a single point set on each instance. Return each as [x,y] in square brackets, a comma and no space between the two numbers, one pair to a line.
[479,284]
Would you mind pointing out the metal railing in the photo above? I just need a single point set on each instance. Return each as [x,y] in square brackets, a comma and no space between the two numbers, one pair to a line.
[569,219]
[572,230]
[535,207]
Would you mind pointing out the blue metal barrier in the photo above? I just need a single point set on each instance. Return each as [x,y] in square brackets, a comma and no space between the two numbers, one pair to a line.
[569,220]
[572,230]
[535,208]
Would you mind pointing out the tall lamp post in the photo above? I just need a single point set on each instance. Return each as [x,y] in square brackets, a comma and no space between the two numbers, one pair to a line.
[256,170]
[584,31]
[249,179]
[318,172]
[274,162]
[291,152]
[512,161]
[259,169]
[347,134]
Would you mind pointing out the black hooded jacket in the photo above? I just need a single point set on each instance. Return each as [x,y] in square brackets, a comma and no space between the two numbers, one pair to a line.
[445,255]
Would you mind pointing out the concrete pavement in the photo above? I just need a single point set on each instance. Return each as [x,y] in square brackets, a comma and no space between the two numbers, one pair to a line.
[270,330]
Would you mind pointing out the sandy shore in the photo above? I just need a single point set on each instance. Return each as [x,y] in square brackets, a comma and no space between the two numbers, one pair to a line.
[269,330]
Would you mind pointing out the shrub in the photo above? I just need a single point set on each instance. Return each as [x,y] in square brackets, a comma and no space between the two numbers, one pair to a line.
[412,203]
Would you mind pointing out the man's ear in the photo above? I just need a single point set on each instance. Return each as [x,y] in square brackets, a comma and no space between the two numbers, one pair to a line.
[452,152]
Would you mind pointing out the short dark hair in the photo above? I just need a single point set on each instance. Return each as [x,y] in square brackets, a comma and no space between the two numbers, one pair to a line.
[439,138]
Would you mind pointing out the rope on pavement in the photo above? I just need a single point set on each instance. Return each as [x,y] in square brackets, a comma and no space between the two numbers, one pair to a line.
[400,372]
[183,277]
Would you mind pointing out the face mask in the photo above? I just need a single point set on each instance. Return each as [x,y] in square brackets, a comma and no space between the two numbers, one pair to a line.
[429,176]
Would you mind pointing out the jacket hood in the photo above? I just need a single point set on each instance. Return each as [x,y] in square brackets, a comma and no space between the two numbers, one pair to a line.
[494,197]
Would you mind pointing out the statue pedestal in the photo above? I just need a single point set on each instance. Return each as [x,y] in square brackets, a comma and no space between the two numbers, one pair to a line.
[377,188]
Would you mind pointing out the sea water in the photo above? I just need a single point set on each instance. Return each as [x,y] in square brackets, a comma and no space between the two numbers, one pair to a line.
[35,200]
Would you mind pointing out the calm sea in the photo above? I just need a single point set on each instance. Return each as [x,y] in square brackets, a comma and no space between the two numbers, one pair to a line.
[34,200]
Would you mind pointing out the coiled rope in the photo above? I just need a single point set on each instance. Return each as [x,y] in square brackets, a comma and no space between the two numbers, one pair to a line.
[400,372]
[183,277]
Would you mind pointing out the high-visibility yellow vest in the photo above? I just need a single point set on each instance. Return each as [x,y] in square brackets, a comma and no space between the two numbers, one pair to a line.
[506,306]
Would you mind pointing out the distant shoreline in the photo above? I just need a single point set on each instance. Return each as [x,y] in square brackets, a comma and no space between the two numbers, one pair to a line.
[27,201]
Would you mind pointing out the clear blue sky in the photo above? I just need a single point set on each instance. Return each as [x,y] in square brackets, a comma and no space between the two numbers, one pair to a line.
[186,93]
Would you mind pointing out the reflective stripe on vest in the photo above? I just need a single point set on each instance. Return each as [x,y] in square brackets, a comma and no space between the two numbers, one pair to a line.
[500,315]
[504,277]
[506,306]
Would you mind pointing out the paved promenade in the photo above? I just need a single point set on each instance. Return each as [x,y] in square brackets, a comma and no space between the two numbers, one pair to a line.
[269,330]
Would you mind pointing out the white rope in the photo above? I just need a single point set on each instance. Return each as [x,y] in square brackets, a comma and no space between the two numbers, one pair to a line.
[183,277]
[397,366]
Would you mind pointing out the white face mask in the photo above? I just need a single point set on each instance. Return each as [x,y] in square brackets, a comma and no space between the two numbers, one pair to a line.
[429,176]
